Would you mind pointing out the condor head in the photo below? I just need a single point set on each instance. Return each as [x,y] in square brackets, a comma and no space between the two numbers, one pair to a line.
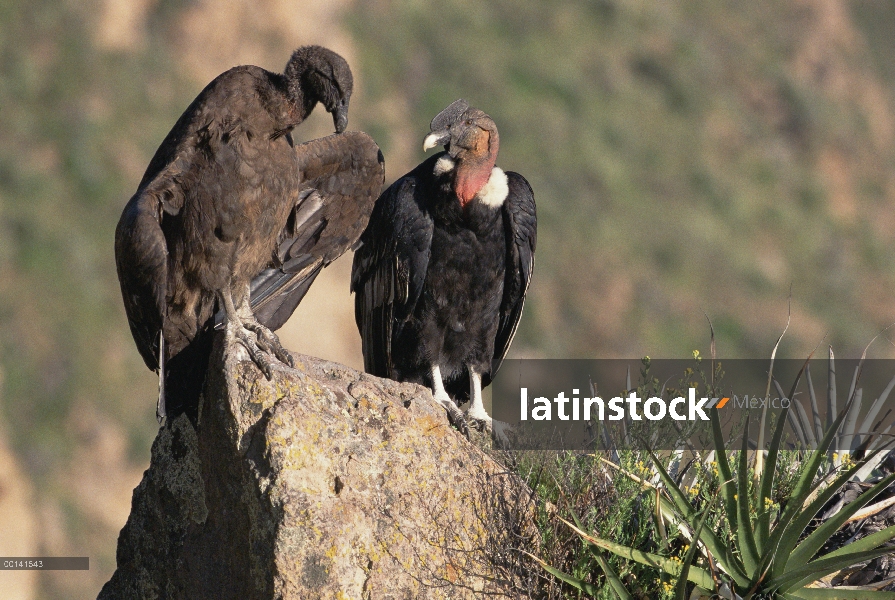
[316,74]
[471,140]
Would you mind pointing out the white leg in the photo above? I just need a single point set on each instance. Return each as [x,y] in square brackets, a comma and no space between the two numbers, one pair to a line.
[438,386]
[442,397]
[478,413]
[477,408]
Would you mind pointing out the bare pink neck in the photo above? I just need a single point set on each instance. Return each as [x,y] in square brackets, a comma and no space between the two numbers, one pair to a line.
[470,178]
[474,172]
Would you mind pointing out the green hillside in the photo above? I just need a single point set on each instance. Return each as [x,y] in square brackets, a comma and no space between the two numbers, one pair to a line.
[689,158]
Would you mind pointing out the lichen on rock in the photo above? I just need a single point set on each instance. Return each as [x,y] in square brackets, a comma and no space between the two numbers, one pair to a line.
[322,483]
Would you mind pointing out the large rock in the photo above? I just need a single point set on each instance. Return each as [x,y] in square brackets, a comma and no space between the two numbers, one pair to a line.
[322,483]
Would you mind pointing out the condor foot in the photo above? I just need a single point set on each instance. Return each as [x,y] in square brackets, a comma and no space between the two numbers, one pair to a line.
[455,415]
[269,342]
[261,343]
[498,429]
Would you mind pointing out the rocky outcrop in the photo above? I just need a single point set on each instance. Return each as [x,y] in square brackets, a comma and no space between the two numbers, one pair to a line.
[322,483]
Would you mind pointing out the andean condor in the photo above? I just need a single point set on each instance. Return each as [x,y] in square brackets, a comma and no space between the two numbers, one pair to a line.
[444,266]
[229,199]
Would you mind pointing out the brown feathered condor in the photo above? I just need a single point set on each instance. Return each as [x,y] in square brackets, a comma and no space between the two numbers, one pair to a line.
[230,204]
[444,265]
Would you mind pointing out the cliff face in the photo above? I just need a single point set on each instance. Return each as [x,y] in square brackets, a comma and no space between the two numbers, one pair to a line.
[322,483]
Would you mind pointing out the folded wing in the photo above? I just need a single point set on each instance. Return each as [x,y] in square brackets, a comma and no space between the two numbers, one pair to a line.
[389,271]
[341,176]
[520,219]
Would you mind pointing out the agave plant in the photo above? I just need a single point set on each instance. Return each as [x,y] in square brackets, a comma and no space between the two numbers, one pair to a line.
[853,437]
[770,552]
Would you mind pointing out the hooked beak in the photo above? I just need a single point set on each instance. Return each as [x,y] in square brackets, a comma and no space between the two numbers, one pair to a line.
[436,138]
[340,117]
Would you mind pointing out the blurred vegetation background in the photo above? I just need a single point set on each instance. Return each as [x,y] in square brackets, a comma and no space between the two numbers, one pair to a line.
[689,158]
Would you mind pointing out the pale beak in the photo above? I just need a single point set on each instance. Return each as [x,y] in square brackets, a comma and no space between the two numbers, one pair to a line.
[340,116]
[436,138]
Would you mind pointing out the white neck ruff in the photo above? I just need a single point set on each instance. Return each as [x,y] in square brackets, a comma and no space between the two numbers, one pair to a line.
[494,193]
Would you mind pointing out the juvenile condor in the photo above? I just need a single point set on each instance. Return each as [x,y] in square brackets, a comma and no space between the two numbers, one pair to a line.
[230,209]
[444,265]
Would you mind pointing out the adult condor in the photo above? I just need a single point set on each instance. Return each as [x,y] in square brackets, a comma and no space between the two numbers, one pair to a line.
[232,216]
[444,265]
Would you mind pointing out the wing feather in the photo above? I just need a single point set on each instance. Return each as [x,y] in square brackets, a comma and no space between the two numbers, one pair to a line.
[341,175]
[389,270]
[141,246]
[141,258]
[520,219]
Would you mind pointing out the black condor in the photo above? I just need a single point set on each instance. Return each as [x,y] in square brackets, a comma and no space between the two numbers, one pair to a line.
[444,265]
[232,216]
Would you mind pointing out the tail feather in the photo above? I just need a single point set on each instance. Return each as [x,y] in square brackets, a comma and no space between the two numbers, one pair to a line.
[160,413]
[184,377]
[276,310]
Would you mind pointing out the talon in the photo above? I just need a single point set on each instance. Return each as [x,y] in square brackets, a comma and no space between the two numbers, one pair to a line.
[455,416]
[499,432]
[486,424]
[257,339]
[263,347]
[265,366]
[271,342]
[256,353]
[479,424]
[457,420]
